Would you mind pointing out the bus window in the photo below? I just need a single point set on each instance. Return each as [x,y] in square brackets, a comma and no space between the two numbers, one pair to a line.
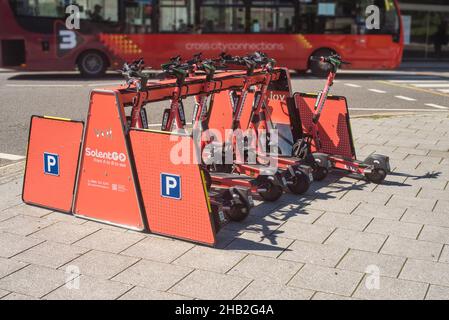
[225,16]
[39,8]
[98,10]
[273,16]
[175,16]
[138,16]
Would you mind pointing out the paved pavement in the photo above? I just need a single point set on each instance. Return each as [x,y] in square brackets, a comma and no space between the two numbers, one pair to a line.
[346,239]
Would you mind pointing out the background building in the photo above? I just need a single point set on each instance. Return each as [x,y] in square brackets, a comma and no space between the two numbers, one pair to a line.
[425,28]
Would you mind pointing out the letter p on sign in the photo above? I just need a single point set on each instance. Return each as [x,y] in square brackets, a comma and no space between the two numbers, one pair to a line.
[51,164]
[170,186]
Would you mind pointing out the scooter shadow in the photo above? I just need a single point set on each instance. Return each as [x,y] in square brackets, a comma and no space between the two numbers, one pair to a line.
[261,230]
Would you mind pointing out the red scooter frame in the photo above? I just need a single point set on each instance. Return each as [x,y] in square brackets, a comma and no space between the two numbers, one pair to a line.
[375,167]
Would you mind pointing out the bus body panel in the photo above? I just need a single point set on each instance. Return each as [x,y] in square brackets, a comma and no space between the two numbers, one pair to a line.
[290,50]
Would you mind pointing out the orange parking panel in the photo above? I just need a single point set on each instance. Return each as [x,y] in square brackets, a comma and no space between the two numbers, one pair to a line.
[334,127]
[106,189]
[52,159]
[176,202]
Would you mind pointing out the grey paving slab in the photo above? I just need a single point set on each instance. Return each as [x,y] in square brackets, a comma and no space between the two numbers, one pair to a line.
[27,210]
[424,159]
[409,248]
[356,240]
[434,183]
[8,266]
[304,231]
[413,203]
[390,289]
[35,281]
[88,288]
[437,293]
[3,293]
[330,280]
[252,243]
[427,218]
[341,220]
[109,240]
[434,234]
[210,259]
[51,254]
[394,228]
[379,211]
[444,257]
[377,198]
[12,244]
[319,254]
[69,218]
[157,249]
[363,261]
[140,293]
[210,285]
[295,214]
[153,275]
[265,225]
[18,296]
[330,296]
[426,271]
[64,232]
[24,225]
[101,264]
[442,206]
[335,205]
[7,214]
[427,193]
[263,290]
[267,269]
[412,151]
[405,190]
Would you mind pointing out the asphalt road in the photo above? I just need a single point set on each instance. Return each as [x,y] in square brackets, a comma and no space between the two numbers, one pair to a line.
[66,95]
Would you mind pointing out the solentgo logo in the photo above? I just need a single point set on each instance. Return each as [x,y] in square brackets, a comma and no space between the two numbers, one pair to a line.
[106,155]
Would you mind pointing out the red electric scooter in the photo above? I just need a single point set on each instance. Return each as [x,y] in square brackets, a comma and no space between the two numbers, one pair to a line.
[375,167]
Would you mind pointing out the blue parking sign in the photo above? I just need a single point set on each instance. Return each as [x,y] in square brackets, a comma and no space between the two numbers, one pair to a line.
[170,186]
[51,164]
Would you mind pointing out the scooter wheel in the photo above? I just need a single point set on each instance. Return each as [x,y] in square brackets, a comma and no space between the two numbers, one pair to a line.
[377,176]
[301,183]
[273,193]
[320,173]
[238,212]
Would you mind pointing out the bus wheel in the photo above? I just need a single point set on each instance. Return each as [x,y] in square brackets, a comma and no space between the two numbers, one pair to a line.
[92,64]
[320,69]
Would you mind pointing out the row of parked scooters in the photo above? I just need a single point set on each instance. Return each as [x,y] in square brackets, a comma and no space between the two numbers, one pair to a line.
[239,166]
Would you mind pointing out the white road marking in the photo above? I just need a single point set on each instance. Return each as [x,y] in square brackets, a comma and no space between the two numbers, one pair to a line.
[431,85]
[352,85]
[377,91]
[381,109]
[405,98]
[418,81]
[444,90]
[436,106]
[44,85]
[11,157]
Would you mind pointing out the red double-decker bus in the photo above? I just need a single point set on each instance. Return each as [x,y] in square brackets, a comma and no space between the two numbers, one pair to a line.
[34,34]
